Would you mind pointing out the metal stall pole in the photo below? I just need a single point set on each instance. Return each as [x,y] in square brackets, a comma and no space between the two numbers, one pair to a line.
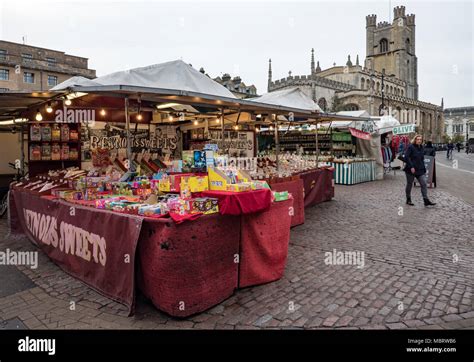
[317,145]
[222,127]
[277,144]
[129,140]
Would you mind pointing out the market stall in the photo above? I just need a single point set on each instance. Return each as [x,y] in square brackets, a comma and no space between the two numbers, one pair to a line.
[164,210]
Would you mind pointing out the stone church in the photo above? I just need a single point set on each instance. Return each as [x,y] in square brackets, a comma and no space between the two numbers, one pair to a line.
[386,83]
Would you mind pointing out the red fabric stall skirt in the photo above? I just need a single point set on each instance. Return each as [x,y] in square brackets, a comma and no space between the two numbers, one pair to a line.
[190,267]
[264,244]
[296,188]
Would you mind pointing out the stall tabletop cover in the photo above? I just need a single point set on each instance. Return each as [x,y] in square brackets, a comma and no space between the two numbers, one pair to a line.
[238,203]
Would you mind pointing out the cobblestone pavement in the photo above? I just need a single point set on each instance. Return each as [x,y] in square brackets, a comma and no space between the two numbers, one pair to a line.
[418,273]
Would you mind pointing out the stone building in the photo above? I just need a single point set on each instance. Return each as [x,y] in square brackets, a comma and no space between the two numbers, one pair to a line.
[236,86]
[29,68]
[386,82]
[459,122]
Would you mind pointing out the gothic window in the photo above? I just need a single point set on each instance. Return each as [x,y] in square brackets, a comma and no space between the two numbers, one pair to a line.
[391,89]
[373,84]
[362,83]
[407,44]
[322,103]
[378,87]
[383,45]
[351,107]
[402,92]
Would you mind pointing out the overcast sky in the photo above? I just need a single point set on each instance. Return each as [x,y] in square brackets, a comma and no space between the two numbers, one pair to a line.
[239,37]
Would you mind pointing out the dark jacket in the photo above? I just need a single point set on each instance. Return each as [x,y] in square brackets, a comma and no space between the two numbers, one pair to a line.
[430,151]
[415,158]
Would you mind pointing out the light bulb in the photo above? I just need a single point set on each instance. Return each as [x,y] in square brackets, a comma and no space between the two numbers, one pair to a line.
[196,122]
[218,120]
[257,129]
[139,117]
[271,128]
[39,116]
[67,102]
[49,109]
[170,118]
[102,112]
[236,127]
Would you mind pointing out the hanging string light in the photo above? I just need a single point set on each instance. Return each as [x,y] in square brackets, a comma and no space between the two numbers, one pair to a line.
[39,116]
[103,112]
[49,109]
[67,101]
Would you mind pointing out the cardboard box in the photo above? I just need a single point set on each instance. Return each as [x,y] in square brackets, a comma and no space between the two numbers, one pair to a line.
[206,205]
[241,187]
[195,183]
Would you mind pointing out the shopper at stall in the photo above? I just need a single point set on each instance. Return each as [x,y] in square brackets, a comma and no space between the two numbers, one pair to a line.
[415,168]
[429,149]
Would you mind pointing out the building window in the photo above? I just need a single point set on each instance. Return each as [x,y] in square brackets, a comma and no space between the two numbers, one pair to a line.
[51,62]
[362,83]
[4,74]
[383,45]
[27,57]
[323,104]
[3,54]
[471,127]
[52,80]
[407,45]
[28,77]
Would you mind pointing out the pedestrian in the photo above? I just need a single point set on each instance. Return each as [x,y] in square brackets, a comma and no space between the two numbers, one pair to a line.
[458,146]
[450,149]
[468,147]
[415,168]
[429,150]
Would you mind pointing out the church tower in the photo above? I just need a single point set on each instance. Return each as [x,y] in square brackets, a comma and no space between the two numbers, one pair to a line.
[392,47]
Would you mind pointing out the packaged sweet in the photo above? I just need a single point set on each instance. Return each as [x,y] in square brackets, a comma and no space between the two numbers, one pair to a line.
[55,133]
[73,135]
[206,205]
[64,152]
[73,153]
[64,133]
[46,133]
[35,132]
[280,196]
[55,152]
[46,152]
[35,152]
[241,187]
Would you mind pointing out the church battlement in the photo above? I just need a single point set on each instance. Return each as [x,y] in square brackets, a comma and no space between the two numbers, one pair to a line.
[294,81]
[398,12]
[371,20]
[411,19]
[383,24]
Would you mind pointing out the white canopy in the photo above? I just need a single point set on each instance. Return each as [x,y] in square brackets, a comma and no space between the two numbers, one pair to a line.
[289,97]
[176,75]
[385,124]
[75,81]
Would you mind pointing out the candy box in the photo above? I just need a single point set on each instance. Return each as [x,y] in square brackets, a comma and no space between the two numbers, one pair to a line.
[241,187]
[195,183]
[60,192]
[259,185]
[206,205]
[280,196]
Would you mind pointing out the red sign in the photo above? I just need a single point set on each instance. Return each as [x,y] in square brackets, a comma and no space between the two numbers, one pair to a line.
[95,246]
[360,134]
